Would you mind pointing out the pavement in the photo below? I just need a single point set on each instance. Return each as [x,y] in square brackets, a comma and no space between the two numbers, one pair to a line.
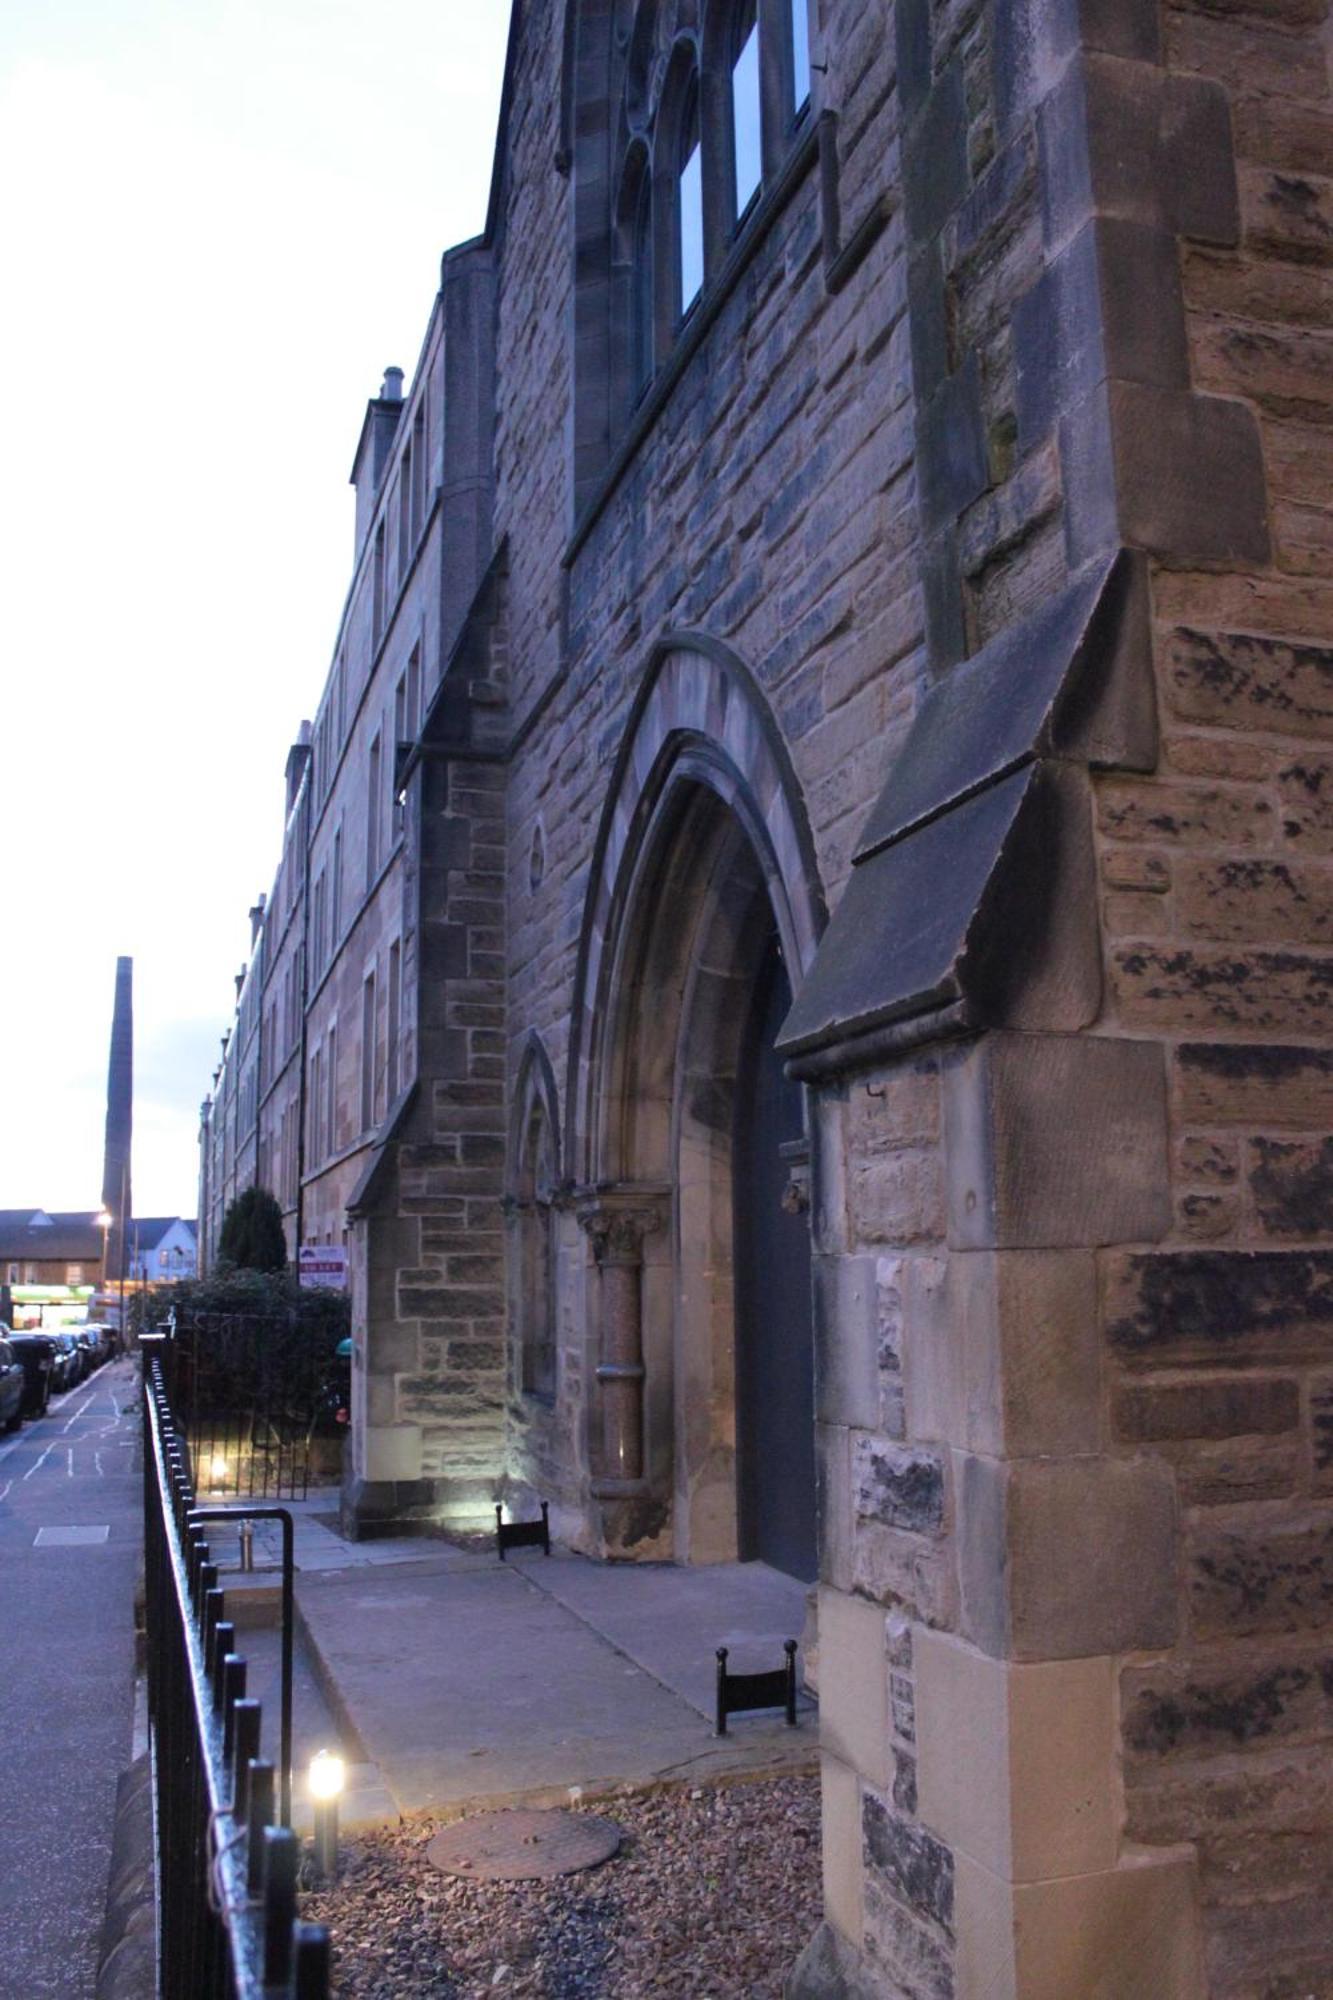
[71,1514]
[454,1683]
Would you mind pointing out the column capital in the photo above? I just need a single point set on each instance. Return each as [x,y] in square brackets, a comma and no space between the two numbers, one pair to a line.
[618,1219]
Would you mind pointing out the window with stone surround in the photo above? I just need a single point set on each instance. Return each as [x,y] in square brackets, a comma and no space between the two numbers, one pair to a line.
[672,139]
[536,1297]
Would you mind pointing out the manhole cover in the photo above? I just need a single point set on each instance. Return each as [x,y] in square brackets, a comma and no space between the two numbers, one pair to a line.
[515,1846]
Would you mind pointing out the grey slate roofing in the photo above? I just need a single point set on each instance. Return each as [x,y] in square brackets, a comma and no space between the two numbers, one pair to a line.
[30,1235]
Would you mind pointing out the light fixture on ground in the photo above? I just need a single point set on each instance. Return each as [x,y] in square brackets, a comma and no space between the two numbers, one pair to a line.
[327,1776]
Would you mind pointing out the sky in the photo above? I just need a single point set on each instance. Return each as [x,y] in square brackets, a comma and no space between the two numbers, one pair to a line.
[222,220]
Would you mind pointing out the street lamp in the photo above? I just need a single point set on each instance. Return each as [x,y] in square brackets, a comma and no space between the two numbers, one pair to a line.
[103,1220]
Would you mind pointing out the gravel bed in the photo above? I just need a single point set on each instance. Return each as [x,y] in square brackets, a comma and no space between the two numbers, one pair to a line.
[713,1893]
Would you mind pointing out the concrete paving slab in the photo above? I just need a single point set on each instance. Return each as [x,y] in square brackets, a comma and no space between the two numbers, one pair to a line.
[671,1620]
[473,1687]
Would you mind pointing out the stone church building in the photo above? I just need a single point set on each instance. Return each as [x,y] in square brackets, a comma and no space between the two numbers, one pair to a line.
[801,961]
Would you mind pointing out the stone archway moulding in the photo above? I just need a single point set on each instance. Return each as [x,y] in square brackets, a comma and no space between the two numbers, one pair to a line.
[699,718]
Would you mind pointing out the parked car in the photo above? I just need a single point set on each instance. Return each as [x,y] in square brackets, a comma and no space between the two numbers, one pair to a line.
[88,1350]
[104,1340]
[68,1367]
[12,1385]
[36,1352]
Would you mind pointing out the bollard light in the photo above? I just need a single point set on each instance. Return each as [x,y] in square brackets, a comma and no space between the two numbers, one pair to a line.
[217,1468]
[327,1776]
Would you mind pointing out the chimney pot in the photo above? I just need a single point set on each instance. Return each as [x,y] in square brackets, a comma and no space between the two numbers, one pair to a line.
[392,391]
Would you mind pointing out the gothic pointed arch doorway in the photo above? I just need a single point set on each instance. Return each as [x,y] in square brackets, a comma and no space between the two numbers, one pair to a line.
[701,1423]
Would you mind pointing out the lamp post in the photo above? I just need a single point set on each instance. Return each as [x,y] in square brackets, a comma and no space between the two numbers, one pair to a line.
[104,1224]
[327,1773]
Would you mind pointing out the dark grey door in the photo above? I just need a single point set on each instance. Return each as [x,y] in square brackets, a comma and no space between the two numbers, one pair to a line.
[775,1423]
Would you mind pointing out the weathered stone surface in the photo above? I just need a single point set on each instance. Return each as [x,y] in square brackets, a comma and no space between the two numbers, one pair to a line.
[1277,1577]
[916,1868]
[897,1487]
[1206,1409]
[1193,989]
[1186,1799]
[1218,1306]
[1248,680]
[1022,1174]
[1201,1711]
[1230,1472]
[1255,1084]
[1064,1559]
[1008,1362]
[912,1956]
[1321,1426]
[1291,1186]
[1254,900]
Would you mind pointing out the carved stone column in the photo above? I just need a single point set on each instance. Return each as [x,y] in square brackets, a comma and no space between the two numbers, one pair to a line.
[617,1224]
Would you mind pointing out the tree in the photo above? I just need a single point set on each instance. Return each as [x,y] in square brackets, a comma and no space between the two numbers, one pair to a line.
[251,1238]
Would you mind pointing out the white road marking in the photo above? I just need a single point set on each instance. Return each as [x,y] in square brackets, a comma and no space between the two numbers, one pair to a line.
[97,1461]
[69,1470]
[41,1461]
[4,1490]
[69,1423]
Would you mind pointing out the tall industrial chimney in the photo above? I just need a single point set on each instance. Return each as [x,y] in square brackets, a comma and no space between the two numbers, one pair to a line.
[117,1196]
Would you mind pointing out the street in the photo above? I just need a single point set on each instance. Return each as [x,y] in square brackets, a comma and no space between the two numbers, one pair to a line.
[70,1539]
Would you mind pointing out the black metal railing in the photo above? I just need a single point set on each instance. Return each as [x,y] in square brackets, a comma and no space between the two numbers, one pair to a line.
[227,1870]
[258,1399]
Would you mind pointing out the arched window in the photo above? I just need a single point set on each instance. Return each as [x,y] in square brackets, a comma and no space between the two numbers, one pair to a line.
[689,202]
[536,1297]
[800,53]
[534,1152]
[635,339]
[747,134]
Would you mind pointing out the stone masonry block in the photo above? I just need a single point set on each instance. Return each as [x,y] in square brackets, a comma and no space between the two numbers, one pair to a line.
[1109,304]
[841,1846]
[1064,1559]
[1022,1173]
[854,1685]
[1185,473]
[1183,1714]
[1218,1308]
[1120,1933]
[1274,1577]
[1016,1763]
[1011,1366]
[1235,1406]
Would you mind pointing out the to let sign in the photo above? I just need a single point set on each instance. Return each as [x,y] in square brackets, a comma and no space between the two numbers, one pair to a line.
[323,1264]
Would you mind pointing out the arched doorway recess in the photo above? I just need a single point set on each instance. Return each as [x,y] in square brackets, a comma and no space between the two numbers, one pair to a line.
[687,1139]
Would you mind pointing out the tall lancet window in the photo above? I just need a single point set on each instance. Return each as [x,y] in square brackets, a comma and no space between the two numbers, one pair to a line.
[746,115]
[536,1303]
[690,190]
[800,52]
[641,285]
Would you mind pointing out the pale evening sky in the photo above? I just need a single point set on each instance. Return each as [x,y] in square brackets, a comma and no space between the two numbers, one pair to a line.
[221,220]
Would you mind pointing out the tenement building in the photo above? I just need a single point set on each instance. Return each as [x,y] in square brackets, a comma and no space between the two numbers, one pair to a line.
[801,961]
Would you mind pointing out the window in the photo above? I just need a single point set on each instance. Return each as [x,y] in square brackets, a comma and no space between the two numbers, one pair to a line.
[641,285]
[690,203]
[746,116]
[536,1304]
[395,1001]
[373,814]
[418,450]
[331,1080]
[405,513]
[368,1053]
[377,601]
[800,52]
[412,716]
[336,892]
